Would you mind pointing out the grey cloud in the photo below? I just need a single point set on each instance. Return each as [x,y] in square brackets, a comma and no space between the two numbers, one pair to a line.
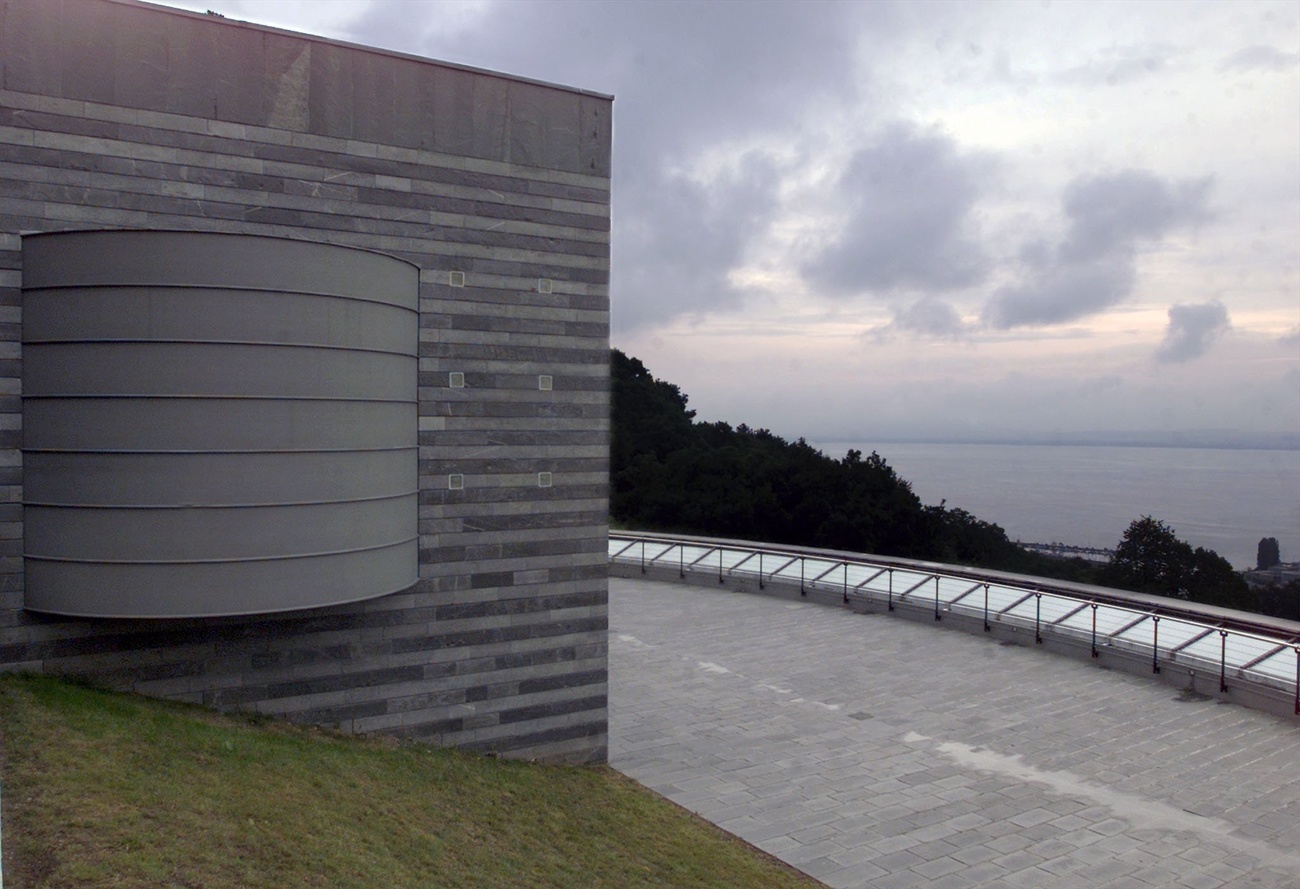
[684,74]
[1192,329]
[1261,58]
[1001,71]
[910,198]
[1103,383]
[1094,267]
[929,317]
[1062,292]
[687,77]
[687,236]
[1290,340]
[1109,213]
[1131,64]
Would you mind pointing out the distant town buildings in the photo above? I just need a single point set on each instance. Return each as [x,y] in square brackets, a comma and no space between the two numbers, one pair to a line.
[1282,573]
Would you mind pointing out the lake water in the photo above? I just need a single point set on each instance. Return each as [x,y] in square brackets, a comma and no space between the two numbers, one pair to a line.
[1224,500]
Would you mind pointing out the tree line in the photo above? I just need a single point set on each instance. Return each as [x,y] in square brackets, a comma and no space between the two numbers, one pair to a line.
[671,472]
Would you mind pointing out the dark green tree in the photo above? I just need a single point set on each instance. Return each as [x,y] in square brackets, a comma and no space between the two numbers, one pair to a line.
[1215,582]
[648,420]
[669,472]
[647,416]
[963,538]
[1151,559]
[1280,600]
[1269,554]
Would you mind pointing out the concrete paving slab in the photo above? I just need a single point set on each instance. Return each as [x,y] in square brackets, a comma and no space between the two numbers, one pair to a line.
[878,752]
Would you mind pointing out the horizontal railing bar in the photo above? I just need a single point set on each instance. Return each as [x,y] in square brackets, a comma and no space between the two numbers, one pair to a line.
[1116,605]
[1263,657]
[707,553]
[1022,600]
[1063,618]
[828,571]
[871,578]
[1128,626]
[1192,641]
[784,565]
[978,586]
[668,549]
[916,586]
[1237,622]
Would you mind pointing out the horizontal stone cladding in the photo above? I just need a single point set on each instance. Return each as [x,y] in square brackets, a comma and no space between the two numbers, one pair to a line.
[501,646]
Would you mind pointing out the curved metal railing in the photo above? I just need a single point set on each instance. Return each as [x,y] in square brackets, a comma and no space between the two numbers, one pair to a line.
[1236,645]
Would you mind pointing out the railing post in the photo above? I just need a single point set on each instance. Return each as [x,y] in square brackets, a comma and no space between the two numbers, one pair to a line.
[720,580]
[681,561]
[802,591]
[1223,660]
[643,556]
[1297,681]
[846,583]
[891,589]
[1038,618]
[1155,643]
[1095,653]
[761,584]
[987,627]
[936,598]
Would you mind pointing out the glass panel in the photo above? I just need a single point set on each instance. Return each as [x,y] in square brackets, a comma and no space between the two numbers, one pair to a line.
[1174,633]
[1281,666]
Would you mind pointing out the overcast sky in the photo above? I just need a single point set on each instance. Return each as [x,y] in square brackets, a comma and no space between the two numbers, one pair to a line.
[878,221]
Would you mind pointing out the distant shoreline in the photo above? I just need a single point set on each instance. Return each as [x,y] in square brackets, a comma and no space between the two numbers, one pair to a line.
[1068,443]
[1223,499]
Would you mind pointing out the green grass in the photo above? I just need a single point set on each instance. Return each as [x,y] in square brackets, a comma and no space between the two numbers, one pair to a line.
[104,789]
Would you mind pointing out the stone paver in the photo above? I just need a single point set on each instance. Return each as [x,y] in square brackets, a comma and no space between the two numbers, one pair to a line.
[877,752]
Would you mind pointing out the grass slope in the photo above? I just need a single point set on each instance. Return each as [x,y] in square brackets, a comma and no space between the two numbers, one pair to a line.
[103,789]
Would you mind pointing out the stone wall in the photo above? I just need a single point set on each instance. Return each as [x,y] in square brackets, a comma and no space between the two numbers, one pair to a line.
[120,115]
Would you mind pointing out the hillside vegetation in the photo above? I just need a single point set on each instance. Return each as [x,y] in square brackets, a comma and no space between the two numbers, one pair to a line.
[103,789]
[669,472]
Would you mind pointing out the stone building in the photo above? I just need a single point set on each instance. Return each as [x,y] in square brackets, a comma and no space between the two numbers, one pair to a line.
[246,463]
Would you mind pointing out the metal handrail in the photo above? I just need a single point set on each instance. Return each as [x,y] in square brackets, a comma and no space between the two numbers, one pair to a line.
[1251,648]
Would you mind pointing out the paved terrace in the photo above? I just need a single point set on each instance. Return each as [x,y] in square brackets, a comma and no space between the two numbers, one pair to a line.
[871,751]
